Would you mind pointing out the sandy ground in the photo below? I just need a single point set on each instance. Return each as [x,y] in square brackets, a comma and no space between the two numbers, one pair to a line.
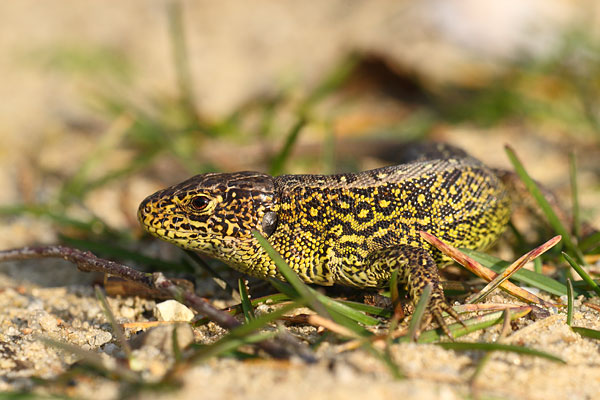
[47,127]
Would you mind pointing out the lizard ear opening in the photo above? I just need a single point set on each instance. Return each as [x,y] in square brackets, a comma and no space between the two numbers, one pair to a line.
[269,223]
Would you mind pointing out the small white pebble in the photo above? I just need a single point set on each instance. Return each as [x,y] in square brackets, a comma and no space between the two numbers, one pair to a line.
[110,349]
[92,312]
[262,309]
[12,331]
[7,364]
[100,338]
[127,312]
[35,305]
[534,290]
[564,299]
[172,310]
[48,322]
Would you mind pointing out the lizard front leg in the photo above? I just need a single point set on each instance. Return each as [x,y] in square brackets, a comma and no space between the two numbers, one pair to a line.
[417,269]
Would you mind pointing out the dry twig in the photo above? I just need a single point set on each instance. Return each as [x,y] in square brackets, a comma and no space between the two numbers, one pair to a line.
[88,262]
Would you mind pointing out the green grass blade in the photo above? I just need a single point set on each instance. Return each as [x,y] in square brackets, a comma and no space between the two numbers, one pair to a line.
[500,347]
[275,298]
[229,344]
[140,162]
[348,323]
[93,224]
[589,242]
[527,277]
[480,366]
[417,316]
[321,304]
[244,334]
[93,359]
[279,160]
[488,355]
[581,272]
[330,304]
[583,285]
[373,310]
[180,57]
[177,354]
[569,302]
[246,304]
[117,330]
[591,333]
[537,266]
[26,395]
[334,80]
[574,195]
[261,321]
[285,289]
[472,325]
[271,299]
[386,358]
[394,293]
[303,291]
[521,242]
[551,216]
[393,324]
[346,310]
[74,188]
[328,150]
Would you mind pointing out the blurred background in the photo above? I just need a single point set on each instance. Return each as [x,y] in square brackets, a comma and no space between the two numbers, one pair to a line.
[104,104]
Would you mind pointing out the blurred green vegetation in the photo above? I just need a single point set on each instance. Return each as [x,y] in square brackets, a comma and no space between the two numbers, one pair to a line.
[562,89]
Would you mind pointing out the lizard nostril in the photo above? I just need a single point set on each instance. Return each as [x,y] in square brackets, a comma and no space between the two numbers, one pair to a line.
[143,208]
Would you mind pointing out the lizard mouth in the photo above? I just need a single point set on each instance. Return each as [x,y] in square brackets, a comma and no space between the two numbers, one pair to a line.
[153,215]
[176,229]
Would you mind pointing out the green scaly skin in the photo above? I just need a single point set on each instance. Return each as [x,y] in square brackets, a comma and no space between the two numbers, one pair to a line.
[348,229]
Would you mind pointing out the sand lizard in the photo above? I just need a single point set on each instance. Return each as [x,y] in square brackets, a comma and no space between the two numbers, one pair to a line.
[348,229]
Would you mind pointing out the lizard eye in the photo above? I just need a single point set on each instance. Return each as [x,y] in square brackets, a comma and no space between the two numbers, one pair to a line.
[199,203]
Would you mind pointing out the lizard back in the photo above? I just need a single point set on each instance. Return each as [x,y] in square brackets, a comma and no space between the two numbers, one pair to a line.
[329,225]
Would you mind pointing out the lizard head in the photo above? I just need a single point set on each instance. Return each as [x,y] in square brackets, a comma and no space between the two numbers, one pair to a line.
[212,213]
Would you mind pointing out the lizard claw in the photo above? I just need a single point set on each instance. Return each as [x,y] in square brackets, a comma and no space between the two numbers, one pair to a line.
[436,311]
